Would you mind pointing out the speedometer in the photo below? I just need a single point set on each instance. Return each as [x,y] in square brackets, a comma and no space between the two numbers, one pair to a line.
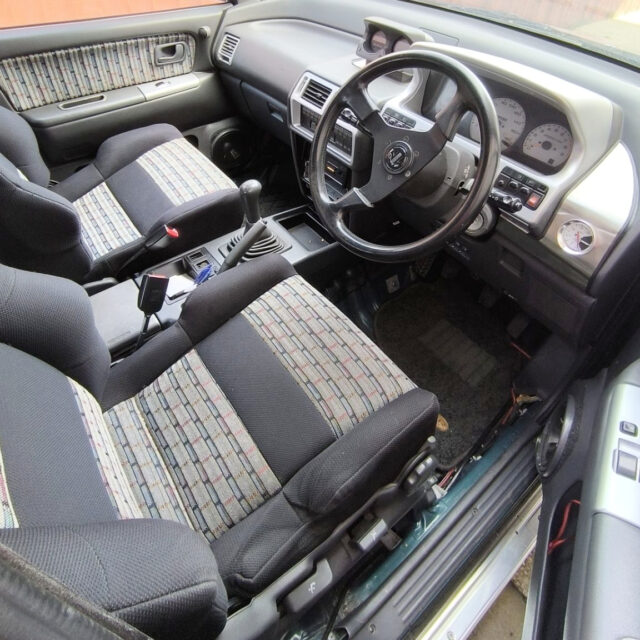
[512,121]
[550,143]
[379,41]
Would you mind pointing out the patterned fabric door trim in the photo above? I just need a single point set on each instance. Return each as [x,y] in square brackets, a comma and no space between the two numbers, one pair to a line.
[45,78]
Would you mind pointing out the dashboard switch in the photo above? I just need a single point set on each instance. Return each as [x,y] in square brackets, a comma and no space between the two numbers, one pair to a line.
[627,465]
[628,428]
[534,200]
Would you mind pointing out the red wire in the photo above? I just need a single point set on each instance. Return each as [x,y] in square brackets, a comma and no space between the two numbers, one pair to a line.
[520,350]
[507,415]
[446,477]
[559,540]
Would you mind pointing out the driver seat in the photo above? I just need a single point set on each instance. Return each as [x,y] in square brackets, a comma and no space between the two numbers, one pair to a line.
[209,461]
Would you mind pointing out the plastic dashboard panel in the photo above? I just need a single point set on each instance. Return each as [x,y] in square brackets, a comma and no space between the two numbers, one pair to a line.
[296,47]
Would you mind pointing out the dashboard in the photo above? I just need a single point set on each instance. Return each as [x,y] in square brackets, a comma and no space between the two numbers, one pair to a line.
[568,153]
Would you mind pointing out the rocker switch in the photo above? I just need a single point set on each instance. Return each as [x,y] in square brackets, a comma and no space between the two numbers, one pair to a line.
[317,583]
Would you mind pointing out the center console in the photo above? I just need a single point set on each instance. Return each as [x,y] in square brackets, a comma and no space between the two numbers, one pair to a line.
[302,241]
[346,158]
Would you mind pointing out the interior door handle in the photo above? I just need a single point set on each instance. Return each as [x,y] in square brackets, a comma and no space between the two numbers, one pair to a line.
[169,53]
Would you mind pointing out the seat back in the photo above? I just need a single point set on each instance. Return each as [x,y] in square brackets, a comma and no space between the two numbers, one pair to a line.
[51,319]
[39,230]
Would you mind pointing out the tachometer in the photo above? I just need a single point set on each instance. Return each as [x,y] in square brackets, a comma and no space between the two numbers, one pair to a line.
[401,45]
[511,117]
[576,237]
[378,41]
[550,143]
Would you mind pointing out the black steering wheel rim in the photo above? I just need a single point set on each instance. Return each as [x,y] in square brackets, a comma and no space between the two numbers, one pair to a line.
[470,95]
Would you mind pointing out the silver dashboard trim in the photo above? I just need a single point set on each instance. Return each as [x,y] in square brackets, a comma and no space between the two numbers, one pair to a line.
[596,125]
[598,182]
[296,103]
[604,200]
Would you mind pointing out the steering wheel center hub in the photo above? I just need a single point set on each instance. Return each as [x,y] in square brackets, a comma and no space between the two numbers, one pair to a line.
[397,157]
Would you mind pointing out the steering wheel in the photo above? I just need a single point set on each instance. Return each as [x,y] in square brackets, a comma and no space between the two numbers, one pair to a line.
[400,153]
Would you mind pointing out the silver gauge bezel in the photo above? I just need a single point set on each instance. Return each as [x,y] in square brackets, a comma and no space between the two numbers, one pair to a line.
[569,250]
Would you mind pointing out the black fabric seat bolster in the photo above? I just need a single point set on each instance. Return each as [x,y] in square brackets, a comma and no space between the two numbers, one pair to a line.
[206,309]
[157,575]
[324,492]
[372,454]
[214,214]
[210,306]
[50,468]
[124,148]
[51,318]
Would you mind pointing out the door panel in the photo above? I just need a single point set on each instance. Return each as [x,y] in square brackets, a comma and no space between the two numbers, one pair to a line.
[78,83]
[586,573]
[59,76]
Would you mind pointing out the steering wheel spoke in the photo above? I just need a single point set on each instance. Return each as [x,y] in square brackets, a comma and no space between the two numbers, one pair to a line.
[354,198]
[448,118]
[357,98]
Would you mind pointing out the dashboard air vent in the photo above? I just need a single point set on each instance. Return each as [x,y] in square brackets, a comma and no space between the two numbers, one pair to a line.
[316,93]
[228,47]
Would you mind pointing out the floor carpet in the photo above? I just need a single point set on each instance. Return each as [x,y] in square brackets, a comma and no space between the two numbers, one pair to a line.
[451,345]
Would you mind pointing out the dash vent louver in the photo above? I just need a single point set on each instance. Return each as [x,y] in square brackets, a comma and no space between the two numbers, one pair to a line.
[228,47]
[316,93]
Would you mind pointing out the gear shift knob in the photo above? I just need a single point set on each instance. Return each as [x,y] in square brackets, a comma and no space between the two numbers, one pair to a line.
[250,195]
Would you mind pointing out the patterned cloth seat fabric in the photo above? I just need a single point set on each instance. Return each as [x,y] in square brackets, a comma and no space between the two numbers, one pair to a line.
[257,422]
[89,225]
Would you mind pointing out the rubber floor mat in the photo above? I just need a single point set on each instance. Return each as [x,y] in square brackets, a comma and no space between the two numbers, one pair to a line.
[450,345]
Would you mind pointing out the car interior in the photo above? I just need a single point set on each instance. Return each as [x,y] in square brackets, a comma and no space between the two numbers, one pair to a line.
[303,303]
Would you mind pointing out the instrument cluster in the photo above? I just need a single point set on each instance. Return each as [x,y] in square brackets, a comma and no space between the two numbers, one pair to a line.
[532,131]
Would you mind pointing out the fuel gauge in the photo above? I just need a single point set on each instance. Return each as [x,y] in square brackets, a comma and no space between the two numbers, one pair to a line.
[576,237]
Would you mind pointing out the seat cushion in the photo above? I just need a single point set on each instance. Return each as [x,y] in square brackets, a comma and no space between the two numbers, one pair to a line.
[123,197]
[182,173]
[105,225]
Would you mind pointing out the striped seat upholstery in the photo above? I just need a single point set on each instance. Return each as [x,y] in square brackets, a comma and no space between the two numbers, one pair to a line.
[178,451]
[182,172]
[105,225]
[341,371]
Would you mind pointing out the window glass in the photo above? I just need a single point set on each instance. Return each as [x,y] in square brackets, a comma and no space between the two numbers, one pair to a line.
[610,27]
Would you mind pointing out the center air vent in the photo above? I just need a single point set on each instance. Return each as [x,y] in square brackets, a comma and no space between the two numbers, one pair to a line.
[316,93]
[228,47]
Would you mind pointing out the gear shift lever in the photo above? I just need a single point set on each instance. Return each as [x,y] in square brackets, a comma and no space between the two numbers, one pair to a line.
[250,197]
[249,242]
